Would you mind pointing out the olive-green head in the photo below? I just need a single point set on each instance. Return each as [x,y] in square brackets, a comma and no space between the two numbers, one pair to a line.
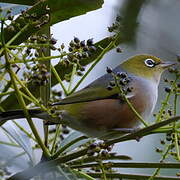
[146,66]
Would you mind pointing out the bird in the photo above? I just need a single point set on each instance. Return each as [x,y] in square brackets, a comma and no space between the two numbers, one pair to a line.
[99,110]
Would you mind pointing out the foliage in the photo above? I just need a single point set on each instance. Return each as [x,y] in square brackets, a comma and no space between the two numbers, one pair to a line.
[70,155]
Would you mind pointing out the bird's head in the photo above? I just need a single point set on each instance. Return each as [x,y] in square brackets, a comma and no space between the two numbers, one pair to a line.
[146,66]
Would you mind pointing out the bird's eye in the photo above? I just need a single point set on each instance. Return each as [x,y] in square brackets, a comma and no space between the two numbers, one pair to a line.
[149,63]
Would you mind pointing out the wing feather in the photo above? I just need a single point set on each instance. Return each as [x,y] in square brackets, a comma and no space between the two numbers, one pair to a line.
[97,90]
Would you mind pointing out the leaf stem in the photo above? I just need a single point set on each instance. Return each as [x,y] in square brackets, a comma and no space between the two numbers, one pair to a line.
[131,165]
[61,150]
[59,79]
[23,105]
[72,77]
[129,103]
[55,138]
[156,172]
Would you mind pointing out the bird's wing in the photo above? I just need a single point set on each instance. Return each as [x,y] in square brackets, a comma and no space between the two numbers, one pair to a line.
[95,91]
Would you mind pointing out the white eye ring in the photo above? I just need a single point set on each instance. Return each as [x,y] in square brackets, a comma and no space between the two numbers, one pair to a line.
[149,62]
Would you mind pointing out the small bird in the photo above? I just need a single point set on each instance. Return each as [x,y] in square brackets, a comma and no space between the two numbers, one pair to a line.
[101,112]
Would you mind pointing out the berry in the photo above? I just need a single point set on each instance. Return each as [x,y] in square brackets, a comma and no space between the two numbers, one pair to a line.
[109,88]
[90,42]
[167,89]
[53,41]
[70,49]
[72,44]
[82,43]
[76,40]
[122,74]
[108,70]
[118,50]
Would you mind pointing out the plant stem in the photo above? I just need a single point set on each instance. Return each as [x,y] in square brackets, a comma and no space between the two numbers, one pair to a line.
[5,93]
[47,58]
[174,127]
[23,130]
[97,157]
[83,175]
[62,149]
[144,131]
[104,51]
[103,171]
[165,102]
[13,38]
[9,144]
[23,105]
[59,79]
[55,138]
[45,89]
[72,77]
[128,102]
[131,165]
[30,94]
[131,176]
[156,172]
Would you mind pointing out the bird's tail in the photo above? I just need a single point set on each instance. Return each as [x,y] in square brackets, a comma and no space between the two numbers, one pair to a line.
[17,114]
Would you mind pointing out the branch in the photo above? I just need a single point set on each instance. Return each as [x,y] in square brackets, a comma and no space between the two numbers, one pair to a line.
[131,165]
[8,103]
[48,166]
[131,176]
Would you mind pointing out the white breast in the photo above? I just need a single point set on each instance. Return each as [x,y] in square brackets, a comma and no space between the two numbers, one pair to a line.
[149,90]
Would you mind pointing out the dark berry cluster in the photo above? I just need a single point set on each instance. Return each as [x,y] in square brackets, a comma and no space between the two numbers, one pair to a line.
[121,79]
[42,39]
[81,49]
[117,25]
[77,51]
[39,75]
[170,140]
[174,85]
[100,149]
[24,18]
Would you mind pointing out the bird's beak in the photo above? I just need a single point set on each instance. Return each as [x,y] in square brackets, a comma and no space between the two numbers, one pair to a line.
[165,65]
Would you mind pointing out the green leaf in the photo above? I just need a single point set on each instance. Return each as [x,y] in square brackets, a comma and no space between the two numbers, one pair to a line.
[20,138]
[72,136]
[58,10]
[9,158]
[23,2]
[62,9]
